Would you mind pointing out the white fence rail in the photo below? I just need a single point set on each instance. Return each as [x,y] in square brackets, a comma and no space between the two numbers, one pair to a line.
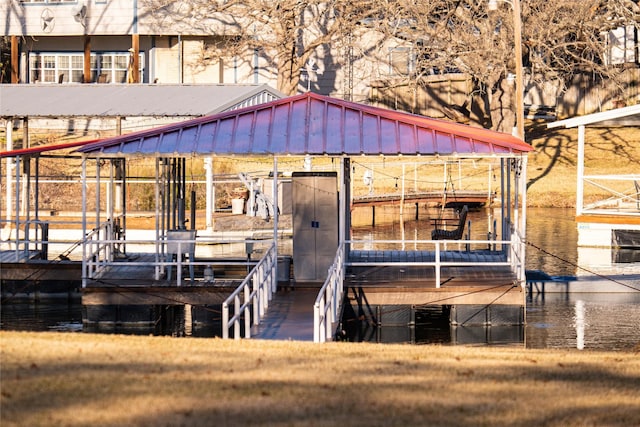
[623,191]
[326,308]
[251,299]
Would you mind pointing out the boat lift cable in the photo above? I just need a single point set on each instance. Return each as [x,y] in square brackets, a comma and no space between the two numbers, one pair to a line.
[484,307]
[602,276]
[435,302]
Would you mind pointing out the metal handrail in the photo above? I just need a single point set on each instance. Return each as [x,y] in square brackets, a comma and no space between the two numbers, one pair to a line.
[257,288]
[99,250]
[631,195]
[327,304]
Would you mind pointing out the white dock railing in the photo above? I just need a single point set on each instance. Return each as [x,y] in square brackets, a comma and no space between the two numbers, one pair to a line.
[98,250]
[326,308]
[623,195]
[328,303]
[251,298]
[511,256]
[102,252]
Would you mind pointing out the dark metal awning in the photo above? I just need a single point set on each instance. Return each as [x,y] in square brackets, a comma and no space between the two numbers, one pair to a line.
[311,124]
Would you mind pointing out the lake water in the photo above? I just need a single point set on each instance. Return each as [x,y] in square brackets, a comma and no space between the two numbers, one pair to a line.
[605,321]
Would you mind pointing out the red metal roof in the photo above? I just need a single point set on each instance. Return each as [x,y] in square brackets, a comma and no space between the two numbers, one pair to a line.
[311,124]
[44,148]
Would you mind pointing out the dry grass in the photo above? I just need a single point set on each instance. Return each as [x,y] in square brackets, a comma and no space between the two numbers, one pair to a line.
[85,379]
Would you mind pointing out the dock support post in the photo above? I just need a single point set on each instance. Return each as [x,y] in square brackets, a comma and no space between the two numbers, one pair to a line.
[437,264]
[276,218]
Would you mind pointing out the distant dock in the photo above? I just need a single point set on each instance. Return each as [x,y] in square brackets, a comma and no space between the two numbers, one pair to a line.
[437,198]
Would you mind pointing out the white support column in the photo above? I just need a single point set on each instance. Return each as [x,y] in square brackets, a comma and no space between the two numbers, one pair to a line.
[276,216]
[97,201]
[209,207]
[8,185]
[580,171]
[503,228]
[509,216]
[523,229]
[159,270]
[120,171]
[22,185]
[109,190]
[342,203]
[17,204]
[83,179]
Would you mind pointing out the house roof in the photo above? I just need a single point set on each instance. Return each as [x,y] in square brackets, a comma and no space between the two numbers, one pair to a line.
[602,116]
[127,100]
[311,124]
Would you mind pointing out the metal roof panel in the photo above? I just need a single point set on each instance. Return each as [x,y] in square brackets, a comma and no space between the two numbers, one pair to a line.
[314,124]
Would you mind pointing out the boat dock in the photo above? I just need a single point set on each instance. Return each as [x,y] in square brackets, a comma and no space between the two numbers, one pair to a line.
[436,198]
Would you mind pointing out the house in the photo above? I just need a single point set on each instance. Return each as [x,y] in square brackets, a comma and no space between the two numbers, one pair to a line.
[131,41]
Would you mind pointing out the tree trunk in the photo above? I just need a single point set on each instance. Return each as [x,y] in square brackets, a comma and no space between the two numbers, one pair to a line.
[289,75]
[503,117]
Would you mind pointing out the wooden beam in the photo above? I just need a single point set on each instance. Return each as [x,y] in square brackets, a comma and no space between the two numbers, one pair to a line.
[15,60]
[507,294]
[87,60]
[134,72]
[154,295]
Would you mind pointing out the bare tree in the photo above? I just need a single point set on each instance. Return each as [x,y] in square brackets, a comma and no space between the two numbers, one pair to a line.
[5,59]
[560,39]
[285,34]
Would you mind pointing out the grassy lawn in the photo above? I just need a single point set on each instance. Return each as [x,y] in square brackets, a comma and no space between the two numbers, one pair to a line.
[84,379]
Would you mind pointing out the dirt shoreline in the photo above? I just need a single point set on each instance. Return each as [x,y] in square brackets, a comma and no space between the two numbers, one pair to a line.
[75,379]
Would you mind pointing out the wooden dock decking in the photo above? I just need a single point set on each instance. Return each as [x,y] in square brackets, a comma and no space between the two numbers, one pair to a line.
[393,281]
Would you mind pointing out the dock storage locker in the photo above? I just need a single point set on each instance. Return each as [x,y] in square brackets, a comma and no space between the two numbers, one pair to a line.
[315,224]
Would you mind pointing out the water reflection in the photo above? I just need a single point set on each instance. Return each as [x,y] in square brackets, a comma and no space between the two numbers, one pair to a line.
[605,321]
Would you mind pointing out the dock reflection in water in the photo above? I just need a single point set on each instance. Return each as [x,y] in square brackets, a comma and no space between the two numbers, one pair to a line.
[595,321]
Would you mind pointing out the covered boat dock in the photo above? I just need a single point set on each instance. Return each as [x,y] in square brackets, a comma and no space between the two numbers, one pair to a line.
[471,272]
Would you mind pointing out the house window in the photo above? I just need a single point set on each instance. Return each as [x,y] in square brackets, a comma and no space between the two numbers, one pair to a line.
[620,45]
[401,61]
[106,67]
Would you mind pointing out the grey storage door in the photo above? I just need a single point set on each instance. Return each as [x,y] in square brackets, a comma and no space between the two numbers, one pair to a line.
[315,224]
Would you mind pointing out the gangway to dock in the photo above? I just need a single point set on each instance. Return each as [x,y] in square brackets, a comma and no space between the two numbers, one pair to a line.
[290,316]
